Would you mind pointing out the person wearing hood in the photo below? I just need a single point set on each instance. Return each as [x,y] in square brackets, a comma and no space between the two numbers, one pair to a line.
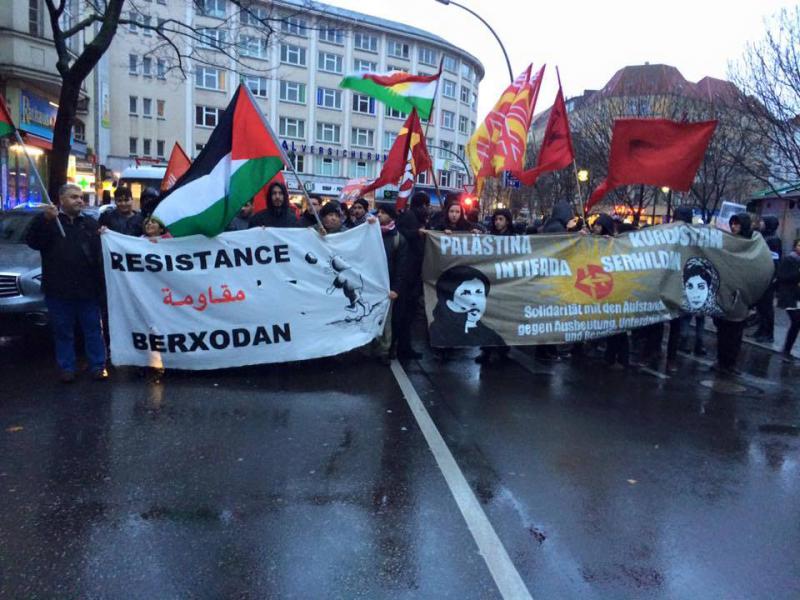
[359,210]
[313,204]
[277,213]
[560,217]
[603,225]
[766,305]
[788,289]
[730,333]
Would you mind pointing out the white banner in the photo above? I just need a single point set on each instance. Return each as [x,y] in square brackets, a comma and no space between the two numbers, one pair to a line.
[245,297]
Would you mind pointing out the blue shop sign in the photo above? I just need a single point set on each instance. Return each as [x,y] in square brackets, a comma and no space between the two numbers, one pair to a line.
[36,115]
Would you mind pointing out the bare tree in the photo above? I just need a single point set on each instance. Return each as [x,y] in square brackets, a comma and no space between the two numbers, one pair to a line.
[769,72]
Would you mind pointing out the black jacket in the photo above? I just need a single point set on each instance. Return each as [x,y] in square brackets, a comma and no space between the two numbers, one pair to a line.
[115,221]
[274,217]
[71,266]
[409,225]
[774,242]
[396,249]
[788,276]
[561,215]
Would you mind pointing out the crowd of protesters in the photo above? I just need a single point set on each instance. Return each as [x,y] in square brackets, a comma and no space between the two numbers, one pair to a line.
[72,277]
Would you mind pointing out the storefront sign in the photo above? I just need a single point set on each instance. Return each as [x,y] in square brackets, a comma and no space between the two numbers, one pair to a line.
[328,151]
[36,115]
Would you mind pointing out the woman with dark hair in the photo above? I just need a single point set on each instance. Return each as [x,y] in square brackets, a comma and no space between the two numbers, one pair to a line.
[700,287]
[277,213]
[461,294]
[788,292]
[454,220]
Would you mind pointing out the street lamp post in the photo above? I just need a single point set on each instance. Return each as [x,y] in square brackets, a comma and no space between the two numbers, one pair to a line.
[461,160]
[481,19]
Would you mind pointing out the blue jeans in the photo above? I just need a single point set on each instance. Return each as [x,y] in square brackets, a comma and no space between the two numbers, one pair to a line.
[63,315]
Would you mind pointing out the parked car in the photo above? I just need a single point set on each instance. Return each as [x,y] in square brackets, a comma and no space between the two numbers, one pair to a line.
[22,306]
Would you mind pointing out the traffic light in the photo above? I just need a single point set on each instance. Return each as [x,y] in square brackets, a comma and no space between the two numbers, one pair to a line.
[468,202]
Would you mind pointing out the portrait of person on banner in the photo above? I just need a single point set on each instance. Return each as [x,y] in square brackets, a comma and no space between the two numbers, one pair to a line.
[461,296]
[700,287]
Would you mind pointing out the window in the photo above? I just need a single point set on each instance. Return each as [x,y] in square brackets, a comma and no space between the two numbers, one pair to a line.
[466,71]
[330,63]
[161,68]
[298,160]
[427,56]
[211,8]
[79,131]
[294,26]
[466,94]
[450,63]
[364,138]
[292,128]
[147,147]
[211,38]
[206,116]
[160,148]
[133,105]
[445,179]
[448,88]
[329,133]
[360,168]
[363,104]
[133,146]
[331,35]
[253,15]
[422,177]
[463,125]
[147,64]
[34,17]
[459,179]
[161,108]
[444,149]
[147,107]
[208,78]
[291,91]
[388,140]
[133,17]
[329,98]
[293,55]
[399,49]
[448,119]
[133,64]
[256,85]
[253,46]
[474,100]
[393,113]
[329,167]
[367,66]
[146,23]
[365,41]
[461,150]
[397,68]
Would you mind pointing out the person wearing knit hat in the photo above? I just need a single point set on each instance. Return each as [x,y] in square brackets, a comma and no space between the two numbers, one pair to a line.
[358,213]
[331,217]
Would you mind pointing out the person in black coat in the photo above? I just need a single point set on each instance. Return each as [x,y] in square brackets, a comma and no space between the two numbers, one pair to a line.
[454,220]
[72,280]
[411,224]
[122,218]
[277,213]
[313,204]
[788,292]
[766,305]
[396,249]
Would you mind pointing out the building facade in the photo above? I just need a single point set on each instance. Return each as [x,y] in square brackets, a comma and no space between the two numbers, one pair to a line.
[292,56]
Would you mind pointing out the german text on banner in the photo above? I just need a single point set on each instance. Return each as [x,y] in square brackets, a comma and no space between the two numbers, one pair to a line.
[483,290]
[245,297]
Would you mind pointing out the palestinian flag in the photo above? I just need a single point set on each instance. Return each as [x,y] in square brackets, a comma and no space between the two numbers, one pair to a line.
[396,89]
[241,156]
[6,124]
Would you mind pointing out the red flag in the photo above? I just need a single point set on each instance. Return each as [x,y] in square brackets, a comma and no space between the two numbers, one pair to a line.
[178,164]
[6,124]
[654,152]
[556,151]
[408,154]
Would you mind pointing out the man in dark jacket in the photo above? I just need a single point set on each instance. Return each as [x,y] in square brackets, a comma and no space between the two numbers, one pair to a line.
[307,219]
[72,280]
[122,218]
[396,249]
[766,305]
[561,216]
[242,219]
[278,213]
[411,225]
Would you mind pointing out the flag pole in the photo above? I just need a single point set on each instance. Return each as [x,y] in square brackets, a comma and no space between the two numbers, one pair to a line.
[432,169]
[285,159]
[38,179]
[574,163]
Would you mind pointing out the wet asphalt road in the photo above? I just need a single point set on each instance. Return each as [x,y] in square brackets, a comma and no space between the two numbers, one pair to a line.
[314,480]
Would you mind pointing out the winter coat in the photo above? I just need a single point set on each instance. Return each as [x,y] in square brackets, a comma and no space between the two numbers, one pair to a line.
[126,225]
[774,242]
[561,215]
[788,276]
[607,223]
[683,213]
[72,265]
[396,249]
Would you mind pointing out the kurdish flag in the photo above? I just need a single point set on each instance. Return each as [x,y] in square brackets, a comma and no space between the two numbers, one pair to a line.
[396,89]
[241,156]
[6,124]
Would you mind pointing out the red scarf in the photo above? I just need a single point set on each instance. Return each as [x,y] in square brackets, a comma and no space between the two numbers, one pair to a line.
[388,227]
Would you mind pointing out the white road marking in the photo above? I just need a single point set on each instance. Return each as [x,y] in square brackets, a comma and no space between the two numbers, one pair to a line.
[503,571]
